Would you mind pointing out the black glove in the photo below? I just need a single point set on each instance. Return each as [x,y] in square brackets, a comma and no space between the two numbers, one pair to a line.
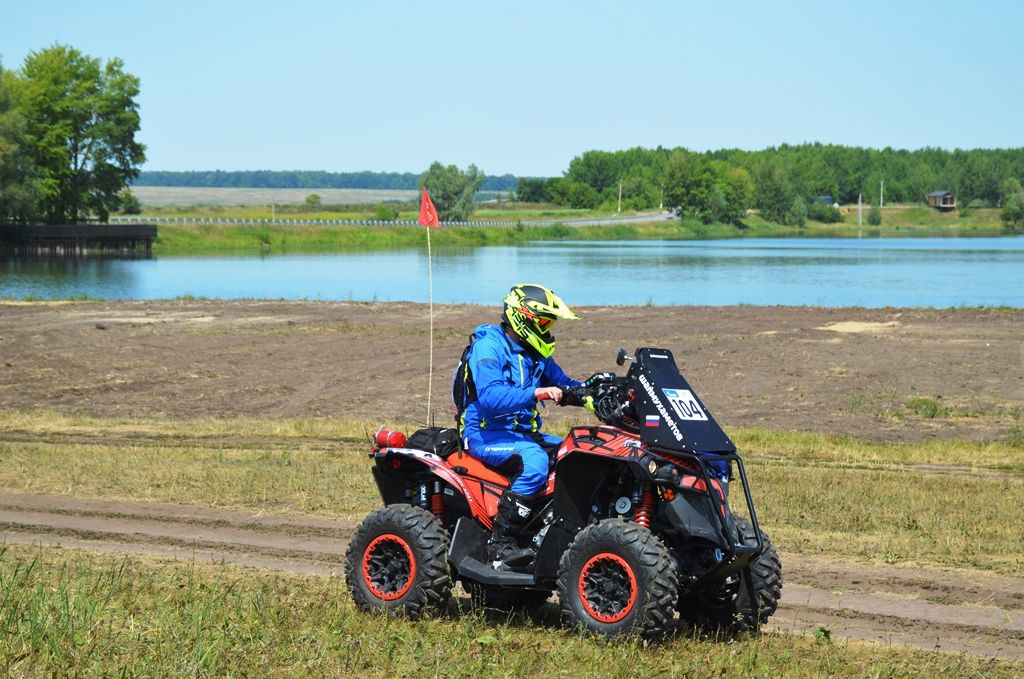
[573,396]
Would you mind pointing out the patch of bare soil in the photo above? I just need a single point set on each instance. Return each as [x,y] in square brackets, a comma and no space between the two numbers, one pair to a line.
[927,608]
[846,371]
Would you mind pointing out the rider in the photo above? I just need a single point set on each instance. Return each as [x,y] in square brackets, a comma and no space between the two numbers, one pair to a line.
[512,370]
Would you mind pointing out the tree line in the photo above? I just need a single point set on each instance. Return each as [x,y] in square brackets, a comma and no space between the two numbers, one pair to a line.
[786,183]
[68,151]
[67,137]
[302,179]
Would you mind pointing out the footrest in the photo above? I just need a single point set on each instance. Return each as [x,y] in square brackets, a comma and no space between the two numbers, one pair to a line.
[483,573]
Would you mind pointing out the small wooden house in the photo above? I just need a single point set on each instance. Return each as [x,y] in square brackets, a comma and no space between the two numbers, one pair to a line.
[942,200]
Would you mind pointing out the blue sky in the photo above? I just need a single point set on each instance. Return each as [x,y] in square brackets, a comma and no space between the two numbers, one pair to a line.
[523,87]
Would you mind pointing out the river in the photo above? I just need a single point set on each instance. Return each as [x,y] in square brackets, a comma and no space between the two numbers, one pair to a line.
[877,272]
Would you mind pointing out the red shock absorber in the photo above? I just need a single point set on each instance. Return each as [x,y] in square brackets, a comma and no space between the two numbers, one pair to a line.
[437,502]
[643,513]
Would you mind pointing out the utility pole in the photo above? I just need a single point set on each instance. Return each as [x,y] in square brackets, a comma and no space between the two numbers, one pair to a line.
[620,196]
[860,213]
[881,194]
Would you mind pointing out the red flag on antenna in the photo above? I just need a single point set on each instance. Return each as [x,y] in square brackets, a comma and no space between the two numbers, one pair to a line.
[428,213]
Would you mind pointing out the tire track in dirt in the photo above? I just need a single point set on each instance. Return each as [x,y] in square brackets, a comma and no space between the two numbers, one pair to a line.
[283,542]
[953,611]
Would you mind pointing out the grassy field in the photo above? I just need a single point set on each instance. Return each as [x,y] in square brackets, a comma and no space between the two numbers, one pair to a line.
[75,613]
[817,494]
[200,238]
[70,612]
[273,237]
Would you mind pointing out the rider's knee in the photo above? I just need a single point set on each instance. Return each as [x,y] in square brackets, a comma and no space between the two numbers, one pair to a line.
[534,474]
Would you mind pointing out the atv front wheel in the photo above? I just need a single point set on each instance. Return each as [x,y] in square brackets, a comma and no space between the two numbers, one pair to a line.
[397,561]
[745,601]
[617,578]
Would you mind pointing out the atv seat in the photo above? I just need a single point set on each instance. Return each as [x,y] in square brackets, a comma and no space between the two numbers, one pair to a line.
[463,463]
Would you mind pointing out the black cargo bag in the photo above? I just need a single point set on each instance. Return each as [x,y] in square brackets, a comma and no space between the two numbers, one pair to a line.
[442,441]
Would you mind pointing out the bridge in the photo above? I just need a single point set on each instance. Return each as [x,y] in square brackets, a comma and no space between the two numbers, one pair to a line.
[74,239]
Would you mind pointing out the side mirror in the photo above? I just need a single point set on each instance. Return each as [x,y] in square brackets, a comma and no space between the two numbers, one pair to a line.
[622,357]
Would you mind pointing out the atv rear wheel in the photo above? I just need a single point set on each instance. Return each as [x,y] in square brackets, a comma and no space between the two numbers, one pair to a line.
[747,600]
[617,578]
[397,561]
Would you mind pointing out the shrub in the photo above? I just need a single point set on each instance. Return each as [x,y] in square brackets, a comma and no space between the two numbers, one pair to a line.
[559,231]
[826,214]
[1013,210]
[130,204]
[385,213]
[875,215]
[928,407]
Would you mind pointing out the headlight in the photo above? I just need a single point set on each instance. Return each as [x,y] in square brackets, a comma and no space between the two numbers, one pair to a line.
[652,466]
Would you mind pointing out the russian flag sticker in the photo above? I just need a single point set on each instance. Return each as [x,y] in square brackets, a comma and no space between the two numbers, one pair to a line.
[652,421]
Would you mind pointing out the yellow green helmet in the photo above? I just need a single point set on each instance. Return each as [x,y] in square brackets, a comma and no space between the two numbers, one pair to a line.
[531,311]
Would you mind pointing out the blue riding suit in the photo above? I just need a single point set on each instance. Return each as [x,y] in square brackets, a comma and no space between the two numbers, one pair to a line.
[503,421]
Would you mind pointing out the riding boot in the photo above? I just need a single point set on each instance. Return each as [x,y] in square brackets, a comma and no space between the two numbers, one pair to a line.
[503,548]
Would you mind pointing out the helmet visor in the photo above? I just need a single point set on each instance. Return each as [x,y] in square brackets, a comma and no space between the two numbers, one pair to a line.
[542,323]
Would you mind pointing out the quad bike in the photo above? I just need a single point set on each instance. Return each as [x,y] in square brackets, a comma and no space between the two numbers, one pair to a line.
[633,527]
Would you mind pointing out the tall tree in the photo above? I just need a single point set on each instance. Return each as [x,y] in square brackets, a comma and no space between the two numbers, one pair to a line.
[17,173]
[710,190]
[81,120]
[452,190]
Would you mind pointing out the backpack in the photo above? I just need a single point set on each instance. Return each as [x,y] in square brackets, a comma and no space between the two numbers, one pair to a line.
[463,388]
[438,440]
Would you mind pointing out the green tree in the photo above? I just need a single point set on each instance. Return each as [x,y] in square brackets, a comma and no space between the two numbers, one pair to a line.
[313,200]
[709,189]
[571,193]
[452,190]
[130,204]
[81,120]
[1013,202]
[797,214]
[530,190]
[775,193]
[599,170]
[18,182]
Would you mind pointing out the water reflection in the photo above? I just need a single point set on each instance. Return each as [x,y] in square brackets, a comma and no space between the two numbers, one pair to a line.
[912,272]
[54,276]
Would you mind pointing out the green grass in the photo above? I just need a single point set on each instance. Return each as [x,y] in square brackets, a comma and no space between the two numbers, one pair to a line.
[201,237]
[816,494]
[65,612]
[69,613]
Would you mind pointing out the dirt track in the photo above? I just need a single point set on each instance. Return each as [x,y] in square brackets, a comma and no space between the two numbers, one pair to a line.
[925,608]
[831,370]
[844,371]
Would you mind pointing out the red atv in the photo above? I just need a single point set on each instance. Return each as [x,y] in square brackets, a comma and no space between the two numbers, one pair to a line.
[633,527]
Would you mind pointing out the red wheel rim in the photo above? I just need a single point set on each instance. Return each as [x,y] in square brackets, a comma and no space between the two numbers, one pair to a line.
[389,567]
[607,587]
